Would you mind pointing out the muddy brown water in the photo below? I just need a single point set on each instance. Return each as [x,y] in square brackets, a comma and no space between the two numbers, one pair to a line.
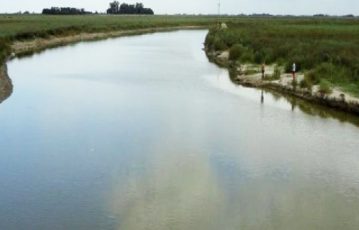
[145,133]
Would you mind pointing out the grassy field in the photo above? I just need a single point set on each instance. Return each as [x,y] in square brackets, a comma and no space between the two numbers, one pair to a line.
[27,26]
[326,49]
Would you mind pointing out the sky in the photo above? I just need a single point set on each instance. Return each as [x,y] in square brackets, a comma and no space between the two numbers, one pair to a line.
[293,7]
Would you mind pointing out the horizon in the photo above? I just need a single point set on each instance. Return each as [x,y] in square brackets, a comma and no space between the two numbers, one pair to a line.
[228,7]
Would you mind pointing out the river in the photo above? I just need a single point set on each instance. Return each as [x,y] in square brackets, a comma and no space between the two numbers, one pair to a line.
[144,132]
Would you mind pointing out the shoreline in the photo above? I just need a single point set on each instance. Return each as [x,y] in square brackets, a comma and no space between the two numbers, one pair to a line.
[6,86]
[29,47]
[340,101]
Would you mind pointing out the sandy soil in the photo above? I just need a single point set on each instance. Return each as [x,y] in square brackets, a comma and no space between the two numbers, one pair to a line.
[286,81]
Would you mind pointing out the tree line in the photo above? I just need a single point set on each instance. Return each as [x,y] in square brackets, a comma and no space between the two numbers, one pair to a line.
[114,8]
[64,11]
[124,8]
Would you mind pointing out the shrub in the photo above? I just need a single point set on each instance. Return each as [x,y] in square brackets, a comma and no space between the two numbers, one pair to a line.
[311,77]
[230,37]
[259,57]
[209,40]
[247,56]
[241,53]
[355,70]
[219,44]
[305,84]
[324,87]
[277,72]
[331,73]
[235,52]
[326,70]
[4,50]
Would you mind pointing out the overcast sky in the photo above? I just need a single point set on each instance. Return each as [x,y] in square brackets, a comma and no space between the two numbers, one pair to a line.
[296,7]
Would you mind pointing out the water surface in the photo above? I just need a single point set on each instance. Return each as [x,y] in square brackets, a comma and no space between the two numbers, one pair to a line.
[144,133]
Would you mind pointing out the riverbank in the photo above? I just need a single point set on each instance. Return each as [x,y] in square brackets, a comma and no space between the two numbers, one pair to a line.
[326,53]
[26,43]
[28,47]
[6,86]
[249,75]
[26,34]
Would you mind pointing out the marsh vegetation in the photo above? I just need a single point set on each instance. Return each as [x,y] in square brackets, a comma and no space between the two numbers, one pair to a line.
[325,49]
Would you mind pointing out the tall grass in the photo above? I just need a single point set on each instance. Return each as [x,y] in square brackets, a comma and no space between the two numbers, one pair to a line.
[329,48]
[27,26]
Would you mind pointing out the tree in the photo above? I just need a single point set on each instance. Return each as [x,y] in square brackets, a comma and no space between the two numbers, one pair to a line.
[64,11]
[124,8]
[114,7]
[139,8]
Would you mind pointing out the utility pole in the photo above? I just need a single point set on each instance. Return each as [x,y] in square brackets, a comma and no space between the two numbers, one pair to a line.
[219,12]
[219,7]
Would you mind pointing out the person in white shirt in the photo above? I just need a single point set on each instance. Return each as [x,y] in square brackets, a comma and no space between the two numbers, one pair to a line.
[294,70]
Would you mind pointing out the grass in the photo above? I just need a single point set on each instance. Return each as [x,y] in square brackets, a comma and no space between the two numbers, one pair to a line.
[276,74]
[27,27]
[325,87]
[328,48]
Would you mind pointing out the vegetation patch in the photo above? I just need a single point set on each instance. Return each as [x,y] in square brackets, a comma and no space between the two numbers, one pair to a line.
[235,52]
[305,84]
[325,87]
[324,48]
[4,50]
[276,74]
